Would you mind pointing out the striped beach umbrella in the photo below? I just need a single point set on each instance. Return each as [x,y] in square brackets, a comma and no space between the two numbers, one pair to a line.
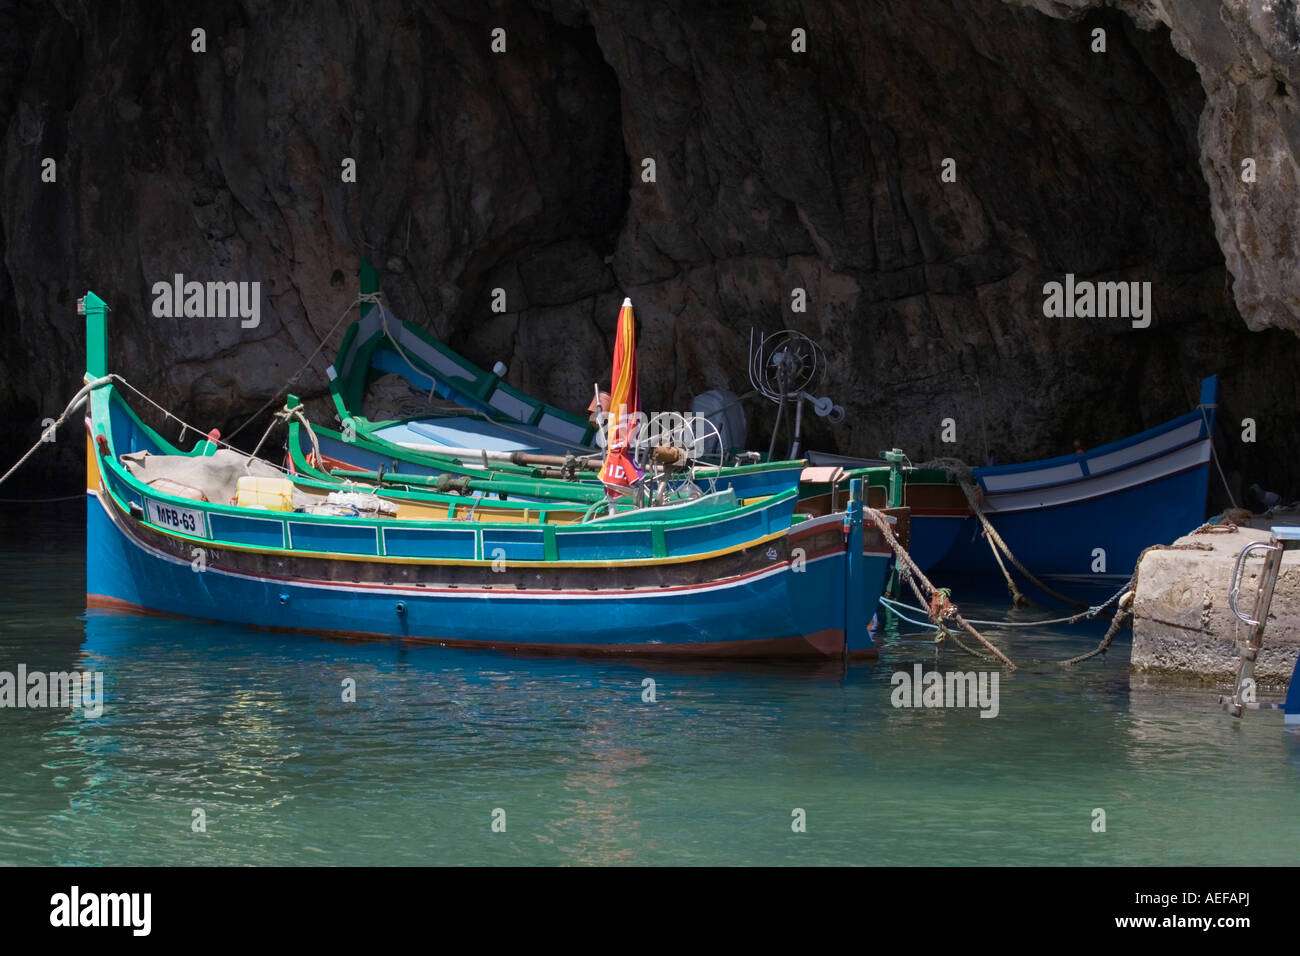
[620,471]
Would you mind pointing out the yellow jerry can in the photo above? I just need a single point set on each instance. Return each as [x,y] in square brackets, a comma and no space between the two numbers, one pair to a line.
[269,494]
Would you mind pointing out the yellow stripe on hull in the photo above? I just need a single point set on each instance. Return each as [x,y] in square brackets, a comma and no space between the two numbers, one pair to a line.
[92,464]
[469,562]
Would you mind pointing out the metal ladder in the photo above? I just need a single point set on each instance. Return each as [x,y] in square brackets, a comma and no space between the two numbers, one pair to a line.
[1282,539]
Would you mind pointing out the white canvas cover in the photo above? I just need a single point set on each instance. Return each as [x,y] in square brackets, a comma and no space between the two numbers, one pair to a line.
[216,475]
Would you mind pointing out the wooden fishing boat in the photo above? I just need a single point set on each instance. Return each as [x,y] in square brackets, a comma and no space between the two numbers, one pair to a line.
[481,423]
[1094,513]
[937,508]
[1087,514]
[707,577]
[366,450]
[1065,516]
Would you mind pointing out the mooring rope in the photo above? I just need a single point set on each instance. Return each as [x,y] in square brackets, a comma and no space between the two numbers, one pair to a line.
[940,608]
[1214,454]
[1124,595]
[77,401]
[943,632]
[1092,611]
[284,415]
[964,475]
[997,544]
[947,635]
[1125,607]
[294,377]
[1018,598]
[373,299]
[896,605]
[186,426]
[1123,610]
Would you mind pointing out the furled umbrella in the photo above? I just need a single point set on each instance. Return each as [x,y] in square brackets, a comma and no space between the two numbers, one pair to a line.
[620,471]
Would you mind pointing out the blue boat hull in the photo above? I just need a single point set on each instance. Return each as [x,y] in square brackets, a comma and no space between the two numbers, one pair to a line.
[1097,536]
[1094,512]
[932,536]
[790,610]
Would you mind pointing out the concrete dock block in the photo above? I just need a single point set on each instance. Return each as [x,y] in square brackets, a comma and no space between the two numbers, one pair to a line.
[1182,622]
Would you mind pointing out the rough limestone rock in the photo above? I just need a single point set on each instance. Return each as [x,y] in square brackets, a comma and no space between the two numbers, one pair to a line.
[776,169]
[1182,622]
[1247,54]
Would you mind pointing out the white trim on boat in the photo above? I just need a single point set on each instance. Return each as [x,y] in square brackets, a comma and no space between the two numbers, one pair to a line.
[1120,479]
[565,431]
[1026,477]
[366,328]
[435,358]
[1145,449]
[1021,480]
[503,401]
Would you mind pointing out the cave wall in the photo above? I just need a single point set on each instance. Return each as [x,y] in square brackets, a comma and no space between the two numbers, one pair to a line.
[1247,56]
[775,170]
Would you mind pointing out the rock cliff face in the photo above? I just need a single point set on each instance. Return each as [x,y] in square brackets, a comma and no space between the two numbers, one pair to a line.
[775,169]
[1247,54]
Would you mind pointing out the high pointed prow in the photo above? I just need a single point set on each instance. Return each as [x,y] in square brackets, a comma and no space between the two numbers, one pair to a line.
[369,279]
[95,310]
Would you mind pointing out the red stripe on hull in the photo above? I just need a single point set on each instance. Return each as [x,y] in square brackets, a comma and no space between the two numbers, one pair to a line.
[102,602]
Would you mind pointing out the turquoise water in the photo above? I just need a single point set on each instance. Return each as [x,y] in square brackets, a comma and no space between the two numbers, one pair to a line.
[250,728]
